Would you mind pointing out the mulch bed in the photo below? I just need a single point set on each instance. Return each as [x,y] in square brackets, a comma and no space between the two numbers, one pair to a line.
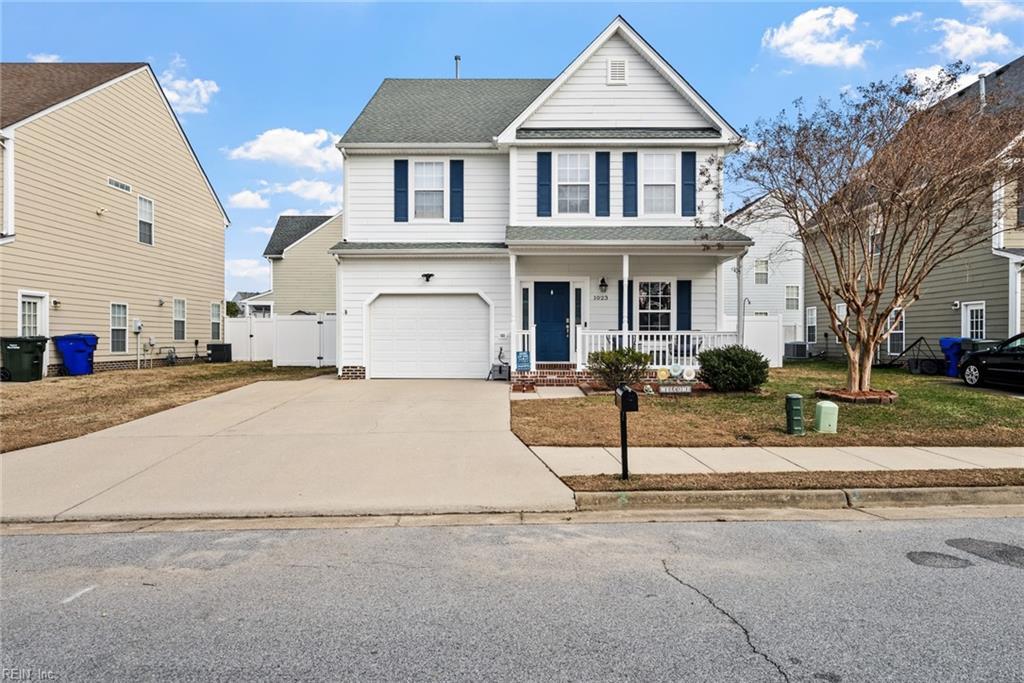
[742,481]
[845,396]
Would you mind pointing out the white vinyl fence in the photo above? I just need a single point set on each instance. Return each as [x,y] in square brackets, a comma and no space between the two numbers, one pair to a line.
[305,340]
[766,336]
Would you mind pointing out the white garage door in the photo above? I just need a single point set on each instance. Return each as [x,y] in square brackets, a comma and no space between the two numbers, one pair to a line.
[429,335]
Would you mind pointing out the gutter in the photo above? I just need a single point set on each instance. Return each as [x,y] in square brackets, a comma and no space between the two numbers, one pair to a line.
[7,229]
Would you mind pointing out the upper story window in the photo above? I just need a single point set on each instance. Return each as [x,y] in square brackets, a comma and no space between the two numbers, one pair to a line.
[428,189]
[792,297]
[145,220]
[618,71]
[574,183]
[659,184]
[761,271]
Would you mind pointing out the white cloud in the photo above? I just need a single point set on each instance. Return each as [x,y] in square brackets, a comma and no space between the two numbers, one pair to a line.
[994,11]
[905,18]
[43,57]
[967,41]
[247,199]
[187,96]
[930,74]
[248,268]
[262,230]
[814,38]
[314,190]
[313,150]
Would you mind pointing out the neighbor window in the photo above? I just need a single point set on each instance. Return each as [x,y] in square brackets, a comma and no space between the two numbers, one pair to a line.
[761,271]
[760,314]
[897,335]
[118,328]
[573,183]
[811,323]
[29,316]
[973,320]
[659,184]
[179,320]
[875,242]
[1020,204]
[145,220]
[428,188]
[841,313]
[214,321]
[654,306]
[792,297]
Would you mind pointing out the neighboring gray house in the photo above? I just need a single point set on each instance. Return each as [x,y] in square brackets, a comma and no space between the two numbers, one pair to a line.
[246,309]
[976,295]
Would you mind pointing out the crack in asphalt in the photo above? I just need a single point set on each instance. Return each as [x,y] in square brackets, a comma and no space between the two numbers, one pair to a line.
[746,633]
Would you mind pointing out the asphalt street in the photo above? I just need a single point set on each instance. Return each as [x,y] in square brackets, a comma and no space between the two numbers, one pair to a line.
[937,600]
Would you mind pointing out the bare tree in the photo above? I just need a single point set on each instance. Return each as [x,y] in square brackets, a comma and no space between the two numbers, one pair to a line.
[883,187]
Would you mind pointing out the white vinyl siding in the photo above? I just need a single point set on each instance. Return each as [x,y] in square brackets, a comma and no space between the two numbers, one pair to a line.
[428,189]
[897,337]
[215,321]
[179,319]
[792,297]
[573,183]
[118,328]
[659,171]
[145,220]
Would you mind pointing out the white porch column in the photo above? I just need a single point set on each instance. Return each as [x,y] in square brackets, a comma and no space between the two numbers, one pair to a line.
[626,303]
[513,338]
[740,305]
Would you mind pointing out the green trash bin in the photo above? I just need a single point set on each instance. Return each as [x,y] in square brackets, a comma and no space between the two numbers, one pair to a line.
[22,358]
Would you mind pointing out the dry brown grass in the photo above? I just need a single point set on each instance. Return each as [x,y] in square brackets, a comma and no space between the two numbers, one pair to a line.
[58,408]
[797,480]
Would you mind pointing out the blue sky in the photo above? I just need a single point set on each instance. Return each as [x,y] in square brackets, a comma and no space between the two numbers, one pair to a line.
[263,89]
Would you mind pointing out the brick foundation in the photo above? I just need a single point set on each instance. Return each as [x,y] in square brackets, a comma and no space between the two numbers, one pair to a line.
[352,372]
[57,369]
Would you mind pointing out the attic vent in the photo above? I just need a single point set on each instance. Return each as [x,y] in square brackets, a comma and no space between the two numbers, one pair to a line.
[616,72]
[118,185]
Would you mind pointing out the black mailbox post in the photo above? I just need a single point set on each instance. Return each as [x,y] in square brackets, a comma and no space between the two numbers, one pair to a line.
[627,402]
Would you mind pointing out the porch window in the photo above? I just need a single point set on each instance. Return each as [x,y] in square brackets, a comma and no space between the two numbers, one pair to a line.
[897,335]
[118,328]
[659,184]
[792,297]
[654,306]
[428,189]
[761,271]
[179,320]
[811,323]
[574,183]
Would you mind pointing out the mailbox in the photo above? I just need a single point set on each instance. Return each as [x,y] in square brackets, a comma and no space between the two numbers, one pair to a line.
[626,399]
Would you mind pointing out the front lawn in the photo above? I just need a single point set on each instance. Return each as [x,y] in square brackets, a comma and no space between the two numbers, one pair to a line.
[931,411]
[58,408]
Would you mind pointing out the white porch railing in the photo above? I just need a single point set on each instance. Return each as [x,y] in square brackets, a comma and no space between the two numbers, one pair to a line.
[665,348]
[526,340]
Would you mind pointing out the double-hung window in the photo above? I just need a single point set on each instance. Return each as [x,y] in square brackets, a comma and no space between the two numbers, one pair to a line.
[179,320]
[428,189]
[897,332]
[574,183]
[215,321]
[811,323]
[973,320]
[118,328]
[145,220]
[761,271]
[792,297]
[654,306]
[659,184]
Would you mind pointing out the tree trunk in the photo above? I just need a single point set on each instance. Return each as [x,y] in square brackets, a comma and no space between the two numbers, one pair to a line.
[862,356]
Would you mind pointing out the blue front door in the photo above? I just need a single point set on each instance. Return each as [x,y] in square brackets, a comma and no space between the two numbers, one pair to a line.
[551,316]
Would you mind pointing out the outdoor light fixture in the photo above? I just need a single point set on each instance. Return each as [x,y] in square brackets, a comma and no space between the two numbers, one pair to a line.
[603,286]
[160,302]
[56,303]
[427,276]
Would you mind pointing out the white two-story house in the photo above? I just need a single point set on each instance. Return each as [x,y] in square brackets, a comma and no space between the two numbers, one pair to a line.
[558,217]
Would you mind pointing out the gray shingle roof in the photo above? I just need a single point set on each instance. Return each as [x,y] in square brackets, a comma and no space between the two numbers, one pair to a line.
[622,233]
[289,230]
[438,110]
[617,133]
[239,295]
[425,246]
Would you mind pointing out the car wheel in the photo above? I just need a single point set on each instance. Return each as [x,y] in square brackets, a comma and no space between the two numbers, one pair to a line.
[972,375]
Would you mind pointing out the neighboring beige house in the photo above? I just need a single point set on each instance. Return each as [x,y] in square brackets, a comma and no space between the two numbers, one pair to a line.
[108,217]
[301,270]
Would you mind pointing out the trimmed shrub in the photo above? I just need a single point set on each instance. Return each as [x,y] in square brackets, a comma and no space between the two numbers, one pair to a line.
[732,368]
[616,366]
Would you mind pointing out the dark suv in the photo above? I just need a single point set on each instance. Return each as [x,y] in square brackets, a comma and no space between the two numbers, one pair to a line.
[1000,364]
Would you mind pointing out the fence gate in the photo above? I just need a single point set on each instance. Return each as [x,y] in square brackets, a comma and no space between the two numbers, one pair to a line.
[306,340]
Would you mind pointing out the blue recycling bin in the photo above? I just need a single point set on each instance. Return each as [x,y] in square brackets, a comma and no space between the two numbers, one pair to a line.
[77,350]
[953,350]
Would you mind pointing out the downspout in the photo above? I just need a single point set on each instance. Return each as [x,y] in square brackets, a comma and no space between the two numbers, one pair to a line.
[741,307]
[7,231]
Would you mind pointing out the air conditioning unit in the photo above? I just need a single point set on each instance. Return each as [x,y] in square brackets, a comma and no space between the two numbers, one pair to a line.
[797,349]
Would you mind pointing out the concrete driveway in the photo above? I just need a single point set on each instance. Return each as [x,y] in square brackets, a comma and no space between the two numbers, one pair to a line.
[313,447]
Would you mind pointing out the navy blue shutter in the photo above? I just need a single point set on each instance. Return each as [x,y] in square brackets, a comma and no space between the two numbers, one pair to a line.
[629,306]
[684,305]
[543,183]
[689,184]
[602,176]
[401,190]
[455,173]
[629,184]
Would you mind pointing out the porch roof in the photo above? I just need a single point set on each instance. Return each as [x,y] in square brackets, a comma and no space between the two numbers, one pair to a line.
[369,248]
[681,235]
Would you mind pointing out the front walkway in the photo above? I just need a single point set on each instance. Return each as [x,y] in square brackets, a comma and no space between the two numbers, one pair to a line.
[644,460]
[313,447]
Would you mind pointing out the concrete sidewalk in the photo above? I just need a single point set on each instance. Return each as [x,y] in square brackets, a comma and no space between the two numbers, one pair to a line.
[600,460]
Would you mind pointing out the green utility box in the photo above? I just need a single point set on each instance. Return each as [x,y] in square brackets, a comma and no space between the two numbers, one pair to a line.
[22,358]
[795,414]
[826,417]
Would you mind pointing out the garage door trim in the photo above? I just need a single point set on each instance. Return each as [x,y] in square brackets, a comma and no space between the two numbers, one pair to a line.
[422,291]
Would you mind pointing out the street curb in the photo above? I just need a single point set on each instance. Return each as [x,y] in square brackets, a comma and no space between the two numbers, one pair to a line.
[809,499]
